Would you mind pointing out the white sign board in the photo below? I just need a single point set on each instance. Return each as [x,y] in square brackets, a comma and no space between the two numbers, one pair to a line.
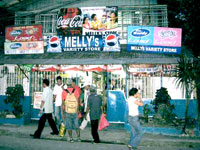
[37,100]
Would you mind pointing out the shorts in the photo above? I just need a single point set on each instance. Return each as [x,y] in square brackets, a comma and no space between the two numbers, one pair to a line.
[71,121]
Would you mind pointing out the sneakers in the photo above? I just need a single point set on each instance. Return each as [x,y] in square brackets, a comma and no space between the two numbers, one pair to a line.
[131,148]
[71,141]
[79,139]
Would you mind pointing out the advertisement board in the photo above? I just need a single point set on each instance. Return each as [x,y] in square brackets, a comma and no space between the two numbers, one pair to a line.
[54,44]
[154,39]
[24,33]
[77,21]
[86,29]
[36,47]
[37,100]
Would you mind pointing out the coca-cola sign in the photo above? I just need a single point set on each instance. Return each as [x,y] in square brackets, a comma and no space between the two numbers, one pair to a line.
[69,21]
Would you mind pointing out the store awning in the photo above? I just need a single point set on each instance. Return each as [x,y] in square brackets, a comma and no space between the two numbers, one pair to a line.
[90,58]
[63,68]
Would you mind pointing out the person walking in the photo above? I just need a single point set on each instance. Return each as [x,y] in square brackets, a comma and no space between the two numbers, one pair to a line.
[57,95]
[94,106]
[47,106]
[70,107]
[85,102]
[134,101]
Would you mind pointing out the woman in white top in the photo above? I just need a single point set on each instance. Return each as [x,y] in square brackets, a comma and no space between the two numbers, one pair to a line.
[134,101]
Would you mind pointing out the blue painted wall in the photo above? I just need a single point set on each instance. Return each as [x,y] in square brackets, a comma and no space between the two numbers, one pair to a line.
[116,106]
[26,103]
[117,109]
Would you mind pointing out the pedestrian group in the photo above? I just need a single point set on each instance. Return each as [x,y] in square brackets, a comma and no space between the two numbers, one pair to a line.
[73,103]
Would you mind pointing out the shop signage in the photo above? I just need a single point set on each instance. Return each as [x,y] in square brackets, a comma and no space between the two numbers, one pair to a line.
[37,100]
[106,43]
[27,67]
[82,43]
[83,20]
[86,29]
[154,39]
[36,47]
[24,33]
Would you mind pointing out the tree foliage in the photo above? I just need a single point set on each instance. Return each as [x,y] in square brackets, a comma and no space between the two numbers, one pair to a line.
[14,95]
[185,14]
[162,97]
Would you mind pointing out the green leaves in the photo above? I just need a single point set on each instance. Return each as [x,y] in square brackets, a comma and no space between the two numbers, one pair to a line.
[14,95]
[187,72]
[162,97]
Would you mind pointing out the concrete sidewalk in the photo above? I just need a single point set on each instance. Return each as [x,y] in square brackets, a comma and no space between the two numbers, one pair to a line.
[113,136]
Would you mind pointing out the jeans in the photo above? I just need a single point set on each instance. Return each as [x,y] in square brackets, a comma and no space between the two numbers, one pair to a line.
[58,115]
[136,132]
[71,121]
[41,125]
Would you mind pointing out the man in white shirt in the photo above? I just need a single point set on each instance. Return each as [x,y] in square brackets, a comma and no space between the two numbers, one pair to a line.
[47,107]
[134,101]
[57,96]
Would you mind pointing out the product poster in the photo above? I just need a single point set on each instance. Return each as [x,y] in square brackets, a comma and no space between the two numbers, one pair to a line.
[54,44]
[154,39]
[78,21]
[37,100]
[24,33]
[36,47]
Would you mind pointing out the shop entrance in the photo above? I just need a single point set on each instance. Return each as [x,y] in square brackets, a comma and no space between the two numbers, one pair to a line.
[113,81]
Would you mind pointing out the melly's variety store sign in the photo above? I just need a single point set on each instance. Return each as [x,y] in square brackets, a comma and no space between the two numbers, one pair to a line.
[103,43]
[24,40]
[154,39]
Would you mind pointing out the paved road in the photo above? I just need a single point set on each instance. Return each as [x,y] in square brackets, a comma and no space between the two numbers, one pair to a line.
[17,138]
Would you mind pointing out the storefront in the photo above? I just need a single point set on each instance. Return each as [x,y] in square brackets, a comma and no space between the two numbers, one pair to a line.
[56,42]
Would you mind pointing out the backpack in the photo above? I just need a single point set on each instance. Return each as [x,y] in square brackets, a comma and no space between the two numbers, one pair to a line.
[71,103]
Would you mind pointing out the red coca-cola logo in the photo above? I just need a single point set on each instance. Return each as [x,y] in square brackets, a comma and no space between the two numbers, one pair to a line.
[74,22]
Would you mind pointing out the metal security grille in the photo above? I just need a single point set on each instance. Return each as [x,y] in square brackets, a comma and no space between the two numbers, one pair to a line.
[155,15]
[10,75]
[149,15]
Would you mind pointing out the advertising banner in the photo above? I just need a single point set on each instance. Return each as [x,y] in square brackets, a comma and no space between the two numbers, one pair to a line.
[77,21]
[24,33]
[54,44]
[99,19]
[36,47]
[86,29]
[154,39]
[37,100]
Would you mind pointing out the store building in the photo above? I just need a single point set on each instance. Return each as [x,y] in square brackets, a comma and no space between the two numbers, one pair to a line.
[146,71]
